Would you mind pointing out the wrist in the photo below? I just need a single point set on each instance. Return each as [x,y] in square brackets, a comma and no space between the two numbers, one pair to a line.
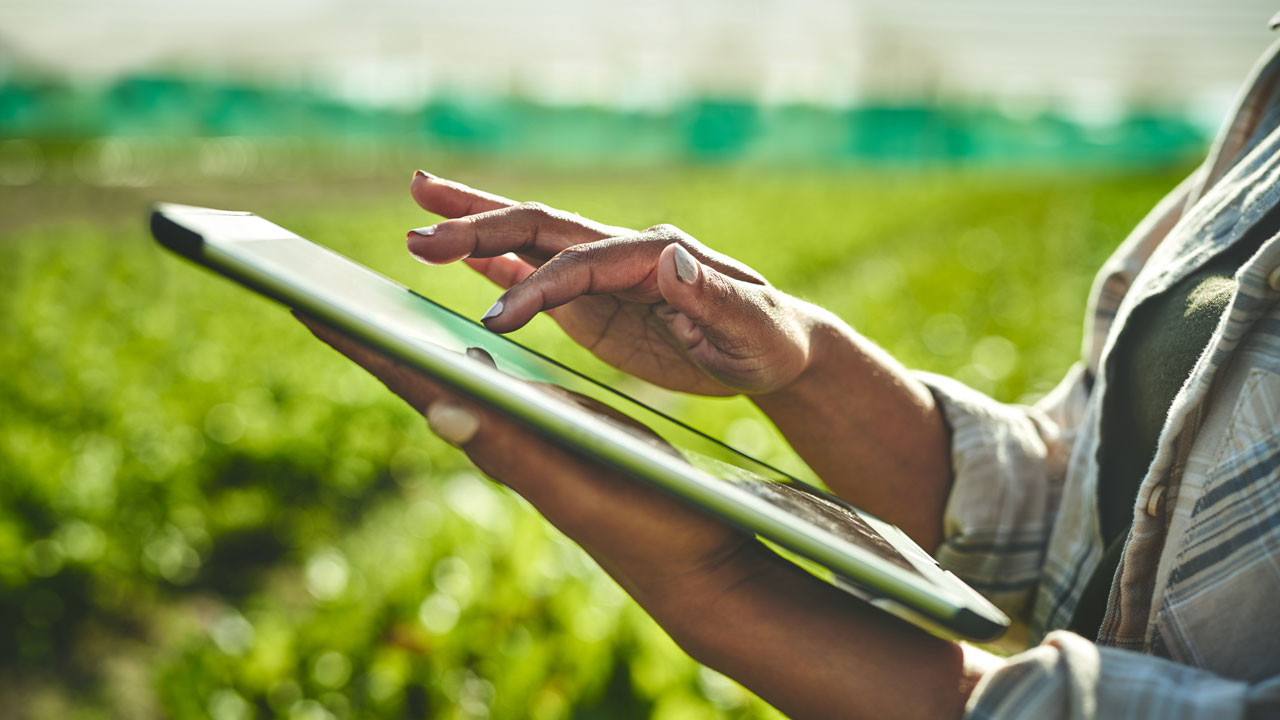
[824,337]
[866,426]
[682,598]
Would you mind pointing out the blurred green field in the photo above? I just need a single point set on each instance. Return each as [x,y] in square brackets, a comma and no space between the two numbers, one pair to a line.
[205,513]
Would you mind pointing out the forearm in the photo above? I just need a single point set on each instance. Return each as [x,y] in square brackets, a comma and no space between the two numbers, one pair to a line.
[813,651]
[870,430]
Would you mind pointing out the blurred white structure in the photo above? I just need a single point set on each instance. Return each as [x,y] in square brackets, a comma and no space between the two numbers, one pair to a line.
[1089,56]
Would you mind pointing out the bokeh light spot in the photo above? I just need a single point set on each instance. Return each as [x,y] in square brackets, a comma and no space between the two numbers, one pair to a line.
[439,613]
[476,500]
[332,669]
[44,558]
[226,704]
[233,634]
[327,574]
[995,357]
[452,575]
[224,423]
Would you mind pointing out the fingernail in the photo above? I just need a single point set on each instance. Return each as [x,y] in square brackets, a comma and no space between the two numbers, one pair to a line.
[482,355]
[686,266]
[423,174]
[454,424]
[492,312]
[427,231]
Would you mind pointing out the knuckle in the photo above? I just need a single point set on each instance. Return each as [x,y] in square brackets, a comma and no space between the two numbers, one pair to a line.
[574,255]
[471,227]
[771,302]
[535,208]
[667,231]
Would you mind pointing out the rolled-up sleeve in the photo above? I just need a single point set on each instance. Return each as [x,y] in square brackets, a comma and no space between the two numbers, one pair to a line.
[1008,464]
[1070,678]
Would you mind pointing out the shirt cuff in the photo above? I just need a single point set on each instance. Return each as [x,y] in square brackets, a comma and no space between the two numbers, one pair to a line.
[1070,678]
[998,515]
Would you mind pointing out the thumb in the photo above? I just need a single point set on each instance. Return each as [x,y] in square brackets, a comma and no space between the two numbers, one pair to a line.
[706,305]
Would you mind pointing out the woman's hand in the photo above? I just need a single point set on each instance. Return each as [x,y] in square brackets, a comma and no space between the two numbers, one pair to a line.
[798,642]
[661,306]
[655,303]
[654,546]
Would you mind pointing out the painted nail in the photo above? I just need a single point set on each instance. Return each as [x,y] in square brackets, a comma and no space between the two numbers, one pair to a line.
[686,266]
[427,231]
[481,355]
[492,312]
[454,424]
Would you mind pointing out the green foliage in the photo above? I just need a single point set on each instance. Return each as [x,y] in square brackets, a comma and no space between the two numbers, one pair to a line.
[205,513]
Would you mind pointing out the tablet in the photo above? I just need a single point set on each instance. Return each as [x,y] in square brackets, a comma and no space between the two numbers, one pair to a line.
[866,556]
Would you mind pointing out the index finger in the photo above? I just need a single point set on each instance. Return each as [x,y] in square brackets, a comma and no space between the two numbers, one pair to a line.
[531,230]
[452,199]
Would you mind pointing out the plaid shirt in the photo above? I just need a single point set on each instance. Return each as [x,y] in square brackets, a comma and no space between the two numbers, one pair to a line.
[1192,626]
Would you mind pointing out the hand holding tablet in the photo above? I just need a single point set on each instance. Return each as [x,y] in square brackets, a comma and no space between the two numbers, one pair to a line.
[425,353]
[646,539]
[672,514]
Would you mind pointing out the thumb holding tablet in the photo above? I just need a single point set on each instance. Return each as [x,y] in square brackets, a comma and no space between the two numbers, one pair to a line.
[664,552]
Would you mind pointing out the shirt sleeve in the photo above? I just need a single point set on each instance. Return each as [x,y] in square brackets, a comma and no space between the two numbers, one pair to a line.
[1070,678]
[1008,463]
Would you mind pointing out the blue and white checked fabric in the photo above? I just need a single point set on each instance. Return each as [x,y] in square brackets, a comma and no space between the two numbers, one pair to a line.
[1192,628]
